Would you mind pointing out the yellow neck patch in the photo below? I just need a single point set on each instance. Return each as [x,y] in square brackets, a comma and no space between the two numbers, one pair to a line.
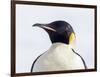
[71,38]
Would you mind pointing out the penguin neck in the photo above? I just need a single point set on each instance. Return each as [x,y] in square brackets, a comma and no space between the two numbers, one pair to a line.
[60,48]
[59,44]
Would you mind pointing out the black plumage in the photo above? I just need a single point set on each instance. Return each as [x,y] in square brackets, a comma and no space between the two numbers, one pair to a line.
[61,33]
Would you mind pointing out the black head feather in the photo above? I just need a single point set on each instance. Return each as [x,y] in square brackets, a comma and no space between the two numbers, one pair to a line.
[59,31]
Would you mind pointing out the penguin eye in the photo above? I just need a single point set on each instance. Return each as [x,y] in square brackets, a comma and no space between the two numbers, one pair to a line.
[49,28]
[66,28]
[69,26]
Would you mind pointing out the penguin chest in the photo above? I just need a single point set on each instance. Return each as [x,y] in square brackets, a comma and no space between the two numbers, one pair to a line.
[58,57]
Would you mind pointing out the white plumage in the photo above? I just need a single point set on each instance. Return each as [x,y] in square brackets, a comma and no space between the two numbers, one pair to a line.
[59,57]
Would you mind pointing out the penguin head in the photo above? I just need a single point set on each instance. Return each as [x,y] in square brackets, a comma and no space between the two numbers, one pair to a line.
[59,31]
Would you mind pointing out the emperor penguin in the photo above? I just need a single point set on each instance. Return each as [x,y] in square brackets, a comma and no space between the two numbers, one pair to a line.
[61,55]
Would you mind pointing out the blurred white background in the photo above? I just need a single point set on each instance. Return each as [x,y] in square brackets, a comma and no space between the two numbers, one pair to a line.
[32,41]
[5,42]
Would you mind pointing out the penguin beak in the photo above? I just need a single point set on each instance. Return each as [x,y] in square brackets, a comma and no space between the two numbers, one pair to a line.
[44,26]
[37,24]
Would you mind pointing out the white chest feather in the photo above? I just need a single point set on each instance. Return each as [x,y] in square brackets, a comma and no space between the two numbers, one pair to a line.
[58,57]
